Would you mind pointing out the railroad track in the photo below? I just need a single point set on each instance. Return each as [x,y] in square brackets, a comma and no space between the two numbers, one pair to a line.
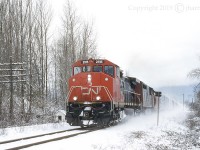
[5,144]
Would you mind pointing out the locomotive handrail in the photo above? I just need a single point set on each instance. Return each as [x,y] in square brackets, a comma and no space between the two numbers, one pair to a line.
[107,91]
[132,92]
[110,96]
[69,93]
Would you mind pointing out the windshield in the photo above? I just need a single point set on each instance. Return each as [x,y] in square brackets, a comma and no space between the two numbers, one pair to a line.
[109,70]
[86,68]
[77,70]
[97,69]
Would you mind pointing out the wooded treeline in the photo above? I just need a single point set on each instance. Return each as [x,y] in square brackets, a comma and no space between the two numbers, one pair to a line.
[35,85]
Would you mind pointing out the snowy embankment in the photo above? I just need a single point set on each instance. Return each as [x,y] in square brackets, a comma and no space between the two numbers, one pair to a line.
[133,133]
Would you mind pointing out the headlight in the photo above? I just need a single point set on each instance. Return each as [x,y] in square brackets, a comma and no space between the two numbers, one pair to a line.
[98,98]
[75,98]
[106,79]
[89,78]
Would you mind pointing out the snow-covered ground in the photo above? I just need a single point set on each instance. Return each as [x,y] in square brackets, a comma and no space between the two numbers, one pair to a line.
[133,133]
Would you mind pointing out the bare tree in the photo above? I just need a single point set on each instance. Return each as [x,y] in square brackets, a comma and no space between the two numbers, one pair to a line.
[87,42]
[42,35]
[195,73]
[24,35]
[77,41]
[67,45]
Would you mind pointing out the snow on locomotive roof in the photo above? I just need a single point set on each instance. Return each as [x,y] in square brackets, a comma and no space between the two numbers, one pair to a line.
[96,61]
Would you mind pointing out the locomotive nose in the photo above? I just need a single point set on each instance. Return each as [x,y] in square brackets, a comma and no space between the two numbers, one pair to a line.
[90,86]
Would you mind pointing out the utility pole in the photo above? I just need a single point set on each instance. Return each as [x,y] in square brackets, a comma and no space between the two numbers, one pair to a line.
[22,96]
[11,76]
[183,101]
[1,99]
[158,95]
[158,111]
[11,92]
[192,104]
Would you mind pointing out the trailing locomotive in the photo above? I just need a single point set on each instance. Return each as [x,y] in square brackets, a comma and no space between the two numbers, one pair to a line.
[98,93]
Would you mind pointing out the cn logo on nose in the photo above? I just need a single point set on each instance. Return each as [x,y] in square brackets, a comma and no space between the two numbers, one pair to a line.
[88,91]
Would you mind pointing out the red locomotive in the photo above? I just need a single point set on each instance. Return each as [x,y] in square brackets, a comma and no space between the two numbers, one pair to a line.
[98,93]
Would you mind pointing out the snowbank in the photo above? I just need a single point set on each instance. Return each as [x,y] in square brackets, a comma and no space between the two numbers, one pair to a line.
[134,132]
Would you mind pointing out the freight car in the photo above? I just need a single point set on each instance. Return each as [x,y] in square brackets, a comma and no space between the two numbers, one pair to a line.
[137,95]
[99,93]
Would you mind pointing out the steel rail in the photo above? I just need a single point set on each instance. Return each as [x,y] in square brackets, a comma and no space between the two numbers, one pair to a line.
[51,140]
[30,137]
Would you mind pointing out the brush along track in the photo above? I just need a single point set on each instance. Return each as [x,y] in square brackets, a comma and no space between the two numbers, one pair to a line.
[88,130]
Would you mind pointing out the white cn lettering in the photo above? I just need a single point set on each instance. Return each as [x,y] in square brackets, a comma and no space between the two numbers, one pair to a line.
[87,91]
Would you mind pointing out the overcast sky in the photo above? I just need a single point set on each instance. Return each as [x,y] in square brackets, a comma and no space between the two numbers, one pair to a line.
[155,41]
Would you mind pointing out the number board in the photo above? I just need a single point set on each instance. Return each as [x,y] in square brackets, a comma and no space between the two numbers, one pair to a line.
[99,61]
[85,62]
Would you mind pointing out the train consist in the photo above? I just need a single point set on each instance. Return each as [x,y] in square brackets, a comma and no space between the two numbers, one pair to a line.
[99,93]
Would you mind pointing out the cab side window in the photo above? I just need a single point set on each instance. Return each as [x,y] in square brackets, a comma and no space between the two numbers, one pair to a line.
[97,69]
[118,72]
[77,70]
[86,68]
[109,70]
